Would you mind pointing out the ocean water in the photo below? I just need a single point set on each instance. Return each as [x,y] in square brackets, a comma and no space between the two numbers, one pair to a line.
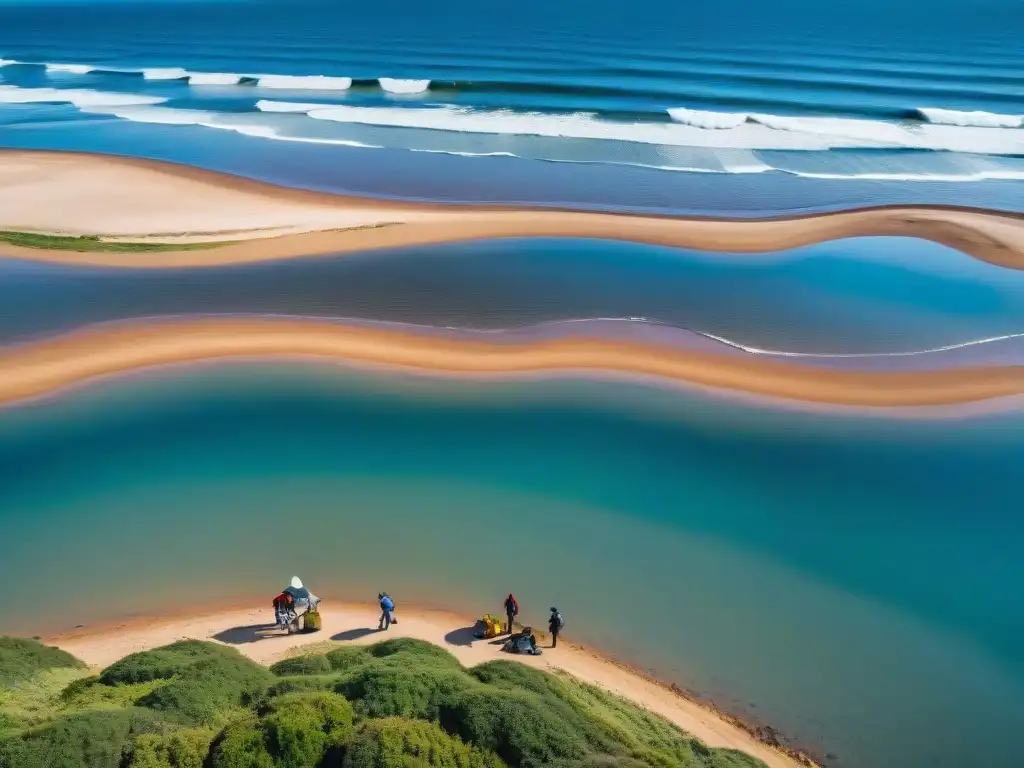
[862,91]
[850,578]
[853,581]
[880,297]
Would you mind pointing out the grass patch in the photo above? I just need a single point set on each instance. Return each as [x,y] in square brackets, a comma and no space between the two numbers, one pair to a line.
[90,243]
[400,703]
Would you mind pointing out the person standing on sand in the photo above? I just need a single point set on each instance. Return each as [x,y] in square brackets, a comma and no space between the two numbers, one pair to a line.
[511,610]
[555,624]
[387,605]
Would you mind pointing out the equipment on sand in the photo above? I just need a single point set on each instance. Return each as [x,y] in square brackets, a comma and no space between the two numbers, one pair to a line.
[522,642]
[487,627]
[296,609]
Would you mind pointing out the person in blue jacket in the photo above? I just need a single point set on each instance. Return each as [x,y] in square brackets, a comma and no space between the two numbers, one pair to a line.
[387,605]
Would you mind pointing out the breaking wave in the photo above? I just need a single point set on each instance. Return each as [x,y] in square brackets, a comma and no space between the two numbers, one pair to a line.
[392,85]
[971,119]
[164,73]
[75,69]
[213,78]
[303,82]
[82,98]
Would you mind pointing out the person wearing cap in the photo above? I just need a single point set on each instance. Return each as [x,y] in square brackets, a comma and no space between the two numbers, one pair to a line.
[555,624]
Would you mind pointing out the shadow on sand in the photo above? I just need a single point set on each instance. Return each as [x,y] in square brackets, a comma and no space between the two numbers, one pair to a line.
[461,636]
[355,634]
[249,634]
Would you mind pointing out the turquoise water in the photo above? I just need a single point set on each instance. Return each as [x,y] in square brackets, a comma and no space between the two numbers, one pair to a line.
[853,581]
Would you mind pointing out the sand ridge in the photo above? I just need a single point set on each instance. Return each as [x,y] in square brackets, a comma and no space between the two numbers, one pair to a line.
[47,366]
[248,630]
[130,198]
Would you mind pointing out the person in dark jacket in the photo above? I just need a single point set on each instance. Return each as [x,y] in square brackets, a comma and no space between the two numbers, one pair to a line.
[555,624]
[511,610]
[387,605]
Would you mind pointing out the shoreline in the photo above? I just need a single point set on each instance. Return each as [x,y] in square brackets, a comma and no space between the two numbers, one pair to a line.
[239,625]
[36,369]
[57,193]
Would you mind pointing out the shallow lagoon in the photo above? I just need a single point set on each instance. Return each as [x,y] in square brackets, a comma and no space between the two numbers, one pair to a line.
[854,579]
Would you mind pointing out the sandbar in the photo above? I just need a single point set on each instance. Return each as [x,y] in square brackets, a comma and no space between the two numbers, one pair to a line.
[47,366]
[138,200]
[248,629]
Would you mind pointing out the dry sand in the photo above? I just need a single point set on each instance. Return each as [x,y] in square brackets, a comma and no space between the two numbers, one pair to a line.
[126,198]
[249,630]
[44,367]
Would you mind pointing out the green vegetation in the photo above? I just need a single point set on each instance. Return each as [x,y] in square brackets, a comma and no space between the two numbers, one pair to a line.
[91,243]
[398,704]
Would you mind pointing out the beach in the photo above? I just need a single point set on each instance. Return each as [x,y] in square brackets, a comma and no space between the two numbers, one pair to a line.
[77,194]
[251,631]
[44,367]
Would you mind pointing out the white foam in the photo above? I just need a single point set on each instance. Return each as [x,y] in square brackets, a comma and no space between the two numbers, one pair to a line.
[213,78]
[165,73]
[767,132]
[977,119]
[145,113]
[81,98]
[391,85]
[8,62]
[74,69]
[268,105]
[304,82]
[705,119]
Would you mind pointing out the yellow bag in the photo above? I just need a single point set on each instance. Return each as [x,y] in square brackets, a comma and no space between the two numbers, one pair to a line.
[312,621]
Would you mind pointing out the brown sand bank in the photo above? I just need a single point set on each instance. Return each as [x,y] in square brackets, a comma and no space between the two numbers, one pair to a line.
[142,200]
[247,630]
[47,366]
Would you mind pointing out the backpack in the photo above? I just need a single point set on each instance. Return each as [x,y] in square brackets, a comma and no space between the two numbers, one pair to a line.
[559,622]
[515,606]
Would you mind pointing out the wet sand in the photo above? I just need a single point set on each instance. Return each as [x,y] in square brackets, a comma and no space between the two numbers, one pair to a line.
[249,630]
[142,200]
[50,365]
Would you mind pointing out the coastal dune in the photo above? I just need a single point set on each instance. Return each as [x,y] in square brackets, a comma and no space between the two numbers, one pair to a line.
[250,631]
[129,199]
[50,365]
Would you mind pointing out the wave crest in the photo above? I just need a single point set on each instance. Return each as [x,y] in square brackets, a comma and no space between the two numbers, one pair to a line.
[81,98]
[74,69]
[392,85]
[700,118]
[304,82]
[214,78]
[976,119]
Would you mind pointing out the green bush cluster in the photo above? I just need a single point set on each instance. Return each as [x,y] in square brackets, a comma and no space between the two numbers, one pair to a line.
[21,659]
[398,704]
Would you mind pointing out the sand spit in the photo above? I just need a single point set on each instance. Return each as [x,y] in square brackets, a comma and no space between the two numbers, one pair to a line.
[64,193]
[48,366]
[247,629]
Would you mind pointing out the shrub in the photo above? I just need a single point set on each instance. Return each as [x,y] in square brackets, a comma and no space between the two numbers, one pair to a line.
[90,740]
[397,742]
[21,658]
[298,731]
[413,649]
[390,688]
[302,665]
[348,656]
[517,725]
[205,680]
[186,748]
[303,727]
[241,745]
[301,683]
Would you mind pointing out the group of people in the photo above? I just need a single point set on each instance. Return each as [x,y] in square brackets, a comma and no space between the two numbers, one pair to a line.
[555,620]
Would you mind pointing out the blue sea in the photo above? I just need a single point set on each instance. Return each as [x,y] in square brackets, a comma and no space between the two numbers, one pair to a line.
[851,578]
